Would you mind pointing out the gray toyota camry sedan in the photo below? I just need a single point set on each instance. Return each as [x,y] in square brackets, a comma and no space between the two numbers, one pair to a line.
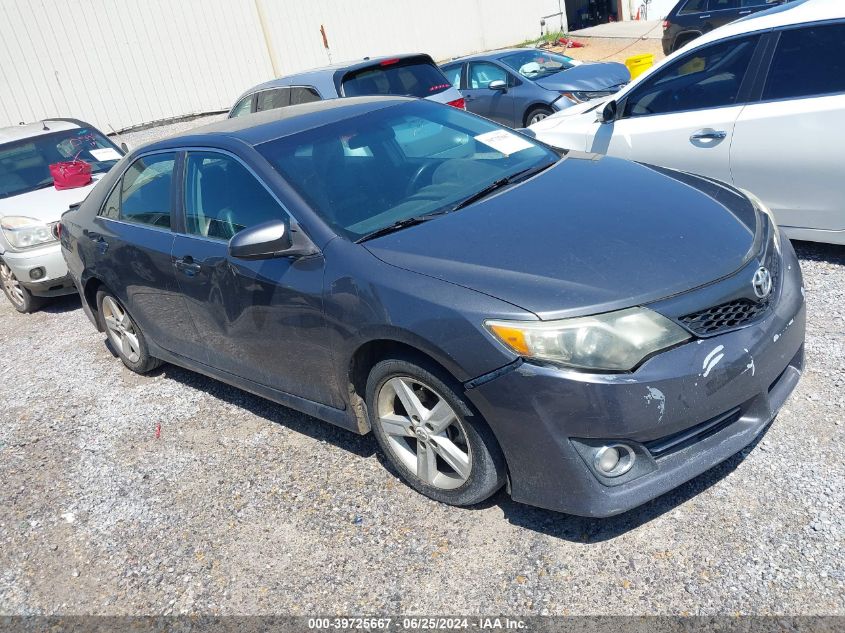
[588,332]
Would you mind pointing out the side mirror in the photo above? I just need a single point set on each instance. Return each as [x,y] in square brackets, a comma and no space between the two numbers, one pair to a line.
[263,241]
[498,84]
[608,113]
[276,238]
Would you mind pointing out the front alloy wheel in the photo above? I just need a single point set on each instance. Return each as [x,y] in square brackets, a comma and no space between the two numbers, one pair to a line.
[430,433]
[424,433]
[21,299]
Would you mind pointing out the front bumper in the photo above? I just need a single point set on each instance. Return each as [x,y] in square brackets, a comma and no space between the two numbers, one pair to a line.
[535,411]
[55,281]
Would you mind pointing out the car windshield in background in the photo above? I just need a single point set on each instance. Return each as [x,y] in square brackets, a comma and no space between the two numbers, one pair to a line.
[533,64]
[411,76]
[25,165]
[369,172]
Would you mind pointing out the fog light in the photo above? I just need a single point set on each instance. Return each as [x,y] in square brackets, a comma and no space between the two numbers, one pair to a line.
[36,273]
[615,460]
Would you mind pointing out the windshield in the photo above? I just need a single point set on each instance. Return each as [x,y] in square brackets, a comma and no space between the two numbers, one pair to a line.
[368,172]
[533,64]
[411,76]
[25,164]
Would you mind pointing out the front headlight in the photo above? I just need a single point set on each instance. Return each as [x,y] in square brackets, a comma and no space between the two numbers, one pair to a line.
[613,341]
[23,232]
[576,96]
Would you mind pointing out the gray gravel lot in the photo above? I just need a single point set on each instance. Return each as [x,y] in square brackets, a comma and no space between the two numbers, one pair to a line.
[245,507]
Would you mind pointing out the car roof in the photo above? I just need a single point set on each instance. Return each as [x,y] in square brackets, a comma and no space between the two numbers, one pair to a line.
[322,77]
[495,54]
[795,12]
[40,128]
[254,129]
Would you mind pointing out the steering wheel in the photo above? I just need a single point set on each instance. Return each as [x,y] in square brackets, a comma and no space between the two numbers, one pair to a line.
[423,169]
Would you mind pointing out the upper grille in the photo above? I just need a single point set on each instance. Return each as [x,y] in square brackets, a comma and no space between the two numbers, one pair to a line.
[724,316]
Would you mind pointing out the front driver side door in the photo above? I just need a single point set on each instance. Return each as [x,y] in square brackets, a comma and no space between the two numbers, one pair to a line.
[260,319]
[496,105]
[683,117]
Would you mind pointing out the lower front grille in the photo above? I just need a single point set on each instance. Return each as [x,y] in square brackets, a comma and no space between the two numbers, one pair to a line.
[672,443]
[724,317]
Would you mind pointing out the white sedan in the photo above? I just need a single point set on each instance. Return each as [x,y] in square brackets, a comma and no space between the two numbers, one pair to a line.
[759,103]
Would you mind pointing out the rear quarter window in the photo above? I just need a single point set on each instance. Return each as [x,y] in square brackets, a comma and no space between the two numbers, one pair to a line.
[412,77]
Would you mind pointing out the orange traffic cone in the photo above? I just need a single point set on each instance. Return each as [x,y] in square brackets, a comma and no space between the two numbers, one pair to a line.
[638,15]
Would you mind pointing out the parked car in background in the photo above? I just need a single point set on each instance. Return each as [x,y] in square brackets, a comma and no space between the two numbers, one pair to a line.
[405,75]
[690,19]
[759,103]
[31,264]
[392,265]
[520,86]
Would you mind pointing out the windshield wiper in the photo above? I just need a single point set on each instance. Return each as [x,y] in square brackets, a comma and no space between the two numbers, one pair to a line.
[501,182]
[399,225]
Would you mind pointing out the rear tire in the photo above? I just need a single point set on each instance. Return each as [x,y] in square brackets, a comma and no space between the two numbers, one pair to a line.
[437,442]
[537,114]
[124,335]
[682,40]
[21,299]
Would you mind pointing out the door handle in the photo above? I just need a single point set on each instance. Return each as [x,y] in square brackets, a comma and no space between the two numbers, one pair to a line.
[708,135]
[704,17]
[746,12]
[188,266]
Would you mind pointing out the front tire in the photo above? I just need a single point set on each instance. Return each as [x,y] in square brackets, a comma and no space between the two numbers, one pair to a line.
[124,335]
[21,299]
[537,114]
[431,435]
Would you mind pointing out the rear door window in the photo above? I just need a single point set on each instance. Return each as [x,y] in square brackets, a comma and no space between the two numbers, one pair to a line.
[808,61]
[693,6]
[272,99]
[243,107]
[411,76]
[722,5]
[146,191]
[453,74]
[303,94]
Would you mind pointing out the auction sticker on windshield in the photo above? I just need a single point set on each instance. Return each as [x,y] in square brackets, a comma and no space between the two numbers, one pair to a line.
[504,142]
[106,153]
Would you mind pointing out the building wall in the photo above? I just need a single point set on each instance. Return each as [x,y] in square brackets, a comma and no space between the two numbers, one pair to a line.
[123,63]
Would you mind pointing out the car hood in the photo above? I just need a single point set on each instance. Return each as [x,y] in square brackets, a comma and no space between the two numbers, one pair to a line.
[589,235]
[45,204]
[599,76]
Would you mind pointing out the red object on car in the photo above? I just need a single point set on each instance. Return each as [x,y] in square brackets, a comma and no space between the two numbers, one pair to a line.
[458,103]
[70,174]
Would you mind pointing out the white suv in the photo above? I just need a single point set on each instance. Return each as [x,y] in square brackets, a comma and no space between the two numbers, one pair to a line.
[759,103]
[31,263]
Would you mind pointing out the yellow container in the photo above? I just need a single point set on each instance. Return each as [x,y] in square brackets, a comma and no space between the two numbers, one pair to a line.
[638,64]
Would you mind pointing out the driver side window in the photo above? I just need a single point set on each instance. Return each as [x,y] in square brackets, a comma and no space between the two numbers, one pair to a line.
[709,77]
[482,73]
[222,197]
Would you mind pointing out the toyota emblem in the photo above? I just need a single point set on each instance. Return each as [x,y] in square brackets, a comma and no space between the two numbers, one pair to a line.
[762,282]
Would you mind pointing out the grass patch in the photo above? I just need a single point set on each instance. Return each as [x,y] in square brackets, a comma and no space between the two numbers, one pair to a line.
[552,36]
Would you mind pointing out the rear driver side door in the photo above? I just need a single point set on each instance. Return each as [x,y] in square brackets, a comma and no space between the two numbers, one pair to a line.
[261,320]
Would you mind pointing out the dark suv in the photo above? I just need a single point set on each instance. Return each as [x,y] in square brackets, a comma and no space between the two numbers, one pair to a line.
[691,18]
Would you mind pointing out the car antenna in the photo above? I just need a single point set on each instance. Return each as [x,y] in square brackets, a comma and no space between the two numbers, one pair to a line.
[44,128]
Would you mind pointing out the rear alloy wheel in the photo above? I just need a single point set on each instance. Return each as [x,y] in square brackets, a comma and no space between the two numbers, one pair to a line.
[125,336]
[20,298]
[536,114]
[431,435]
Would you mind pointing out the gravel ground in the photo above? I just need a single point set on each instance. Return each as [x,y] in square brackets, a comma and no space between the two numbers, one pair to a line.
[613,49]
[239,506]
